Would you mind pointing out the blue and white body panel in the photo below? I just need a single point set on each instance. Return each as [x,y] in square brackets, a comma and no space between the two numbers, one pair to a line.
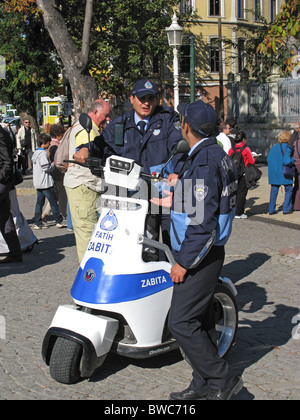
[113,276]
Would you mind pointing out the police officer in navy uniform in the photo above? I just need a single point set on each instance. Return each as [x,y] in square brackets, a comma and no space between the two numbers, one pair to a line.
[149,133]
[203,208]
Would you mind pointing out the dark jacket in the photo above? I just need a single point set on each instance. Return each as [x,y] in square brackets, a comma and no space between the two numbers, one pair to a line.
[203,203]
[150,151]
[6,158]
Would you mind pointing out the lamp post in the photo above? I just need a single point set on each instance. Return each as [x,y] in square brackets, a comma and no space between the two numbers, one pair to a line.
[175,33]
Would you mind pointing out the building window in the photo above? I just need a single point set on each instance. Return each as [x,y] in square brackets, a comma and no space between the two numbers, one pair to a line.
[257,10]
[272,10]
[241,55]
[214,7]
[186,6]
[185,59]
[214,55]
[240,9]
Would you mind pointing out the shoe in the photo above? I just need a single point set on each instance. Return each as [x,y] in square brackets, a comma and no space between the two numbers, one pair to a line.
[187,394]
[273,212]
[30,247]
[242,216]
[11,258]
[41,226]
[288,212]
[60,225]
[226,394]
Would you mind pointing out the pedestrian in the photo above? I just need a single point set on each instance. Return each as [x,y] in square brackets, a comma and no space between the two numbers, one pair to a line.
[26,236]
[82,187]
[224,129]
[202,213]
[279,155]
[7,226]
[296,192]
[43,183]
[241,147]
[295,133]
[56,133]
[26,144]
[148,134]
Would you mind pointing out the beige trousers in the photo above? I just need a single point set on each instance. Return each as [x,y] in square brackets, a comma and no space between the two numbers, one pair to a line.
[82,202]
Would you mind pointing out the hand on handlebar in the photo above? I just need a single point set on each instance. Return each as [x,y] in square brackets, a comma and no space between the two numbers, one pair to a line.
[82,155]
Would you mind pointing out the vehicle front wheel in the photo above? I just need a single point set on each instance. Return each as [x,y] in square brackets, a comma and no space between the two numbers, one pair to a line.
[65,361]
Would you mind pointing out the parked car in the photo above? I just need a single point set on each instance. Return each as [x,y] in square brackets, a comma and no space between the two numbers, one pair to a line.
[15,123]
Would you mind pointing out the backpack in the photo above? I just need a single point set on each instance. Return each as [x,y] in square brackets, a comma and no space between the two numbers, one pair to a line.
[62,151]
[238,160]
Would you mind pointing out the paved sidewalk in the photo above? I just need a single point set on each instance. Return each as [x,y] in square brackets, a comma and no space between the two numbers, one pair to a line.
[267,349]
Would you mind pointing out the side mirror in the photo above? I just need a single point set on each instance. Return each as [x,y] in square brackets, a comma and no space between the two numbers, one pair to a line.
[181,147]
[86,122]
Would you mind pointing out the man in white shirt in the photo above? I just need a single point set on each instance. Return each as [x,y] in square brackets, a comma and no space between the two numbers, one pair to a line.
[224,129]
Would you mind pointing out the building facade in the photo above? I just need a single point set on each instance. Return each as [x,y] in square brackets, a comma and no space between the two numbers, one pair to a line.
[219,20]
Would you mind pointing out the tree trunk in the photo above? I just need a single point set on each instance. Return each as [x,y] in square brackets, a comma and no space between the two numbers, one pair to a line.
[83,87]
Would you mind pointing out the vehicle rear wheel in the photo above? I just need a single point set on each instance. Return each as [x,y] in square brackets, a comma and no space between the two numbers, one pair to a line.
[226,318]
[65,361]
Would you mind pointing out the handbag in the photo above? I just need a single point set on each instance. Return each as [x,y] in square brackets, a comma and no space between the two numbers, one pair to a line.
[288,171]
[252,174]
[18,179]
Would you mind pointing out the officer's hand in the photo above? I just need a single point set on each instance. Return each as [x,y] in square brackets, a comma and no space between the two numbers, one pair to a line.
[82,155]
[172,179]
[177,273]
[165,201]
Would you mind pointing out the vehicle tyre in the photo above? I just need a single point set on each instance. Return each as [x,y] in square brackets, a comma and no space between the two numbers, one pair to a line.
[226,320]
[65,361]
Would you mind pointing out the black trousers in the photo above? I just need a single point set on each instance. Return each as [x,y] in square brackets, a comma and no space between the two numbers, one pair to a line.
[241,196]
[7,226]
[191,319]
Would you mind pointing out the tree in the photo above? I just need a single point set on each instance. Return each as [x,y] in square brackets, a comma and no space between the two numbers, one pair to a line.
[283,34]
[26,47]
[104,45]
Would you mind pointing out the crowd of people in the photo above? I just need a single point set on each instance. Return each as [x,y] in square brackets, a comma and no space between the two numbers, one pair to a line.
[219,155]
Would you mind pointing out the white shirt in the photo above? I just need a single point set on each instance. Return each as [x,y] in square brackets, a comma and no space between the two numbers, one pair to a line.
[225,142]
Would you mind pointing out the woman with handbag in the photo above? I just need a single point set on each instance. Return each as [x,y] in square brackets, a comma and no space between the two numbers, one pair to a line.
[280,156]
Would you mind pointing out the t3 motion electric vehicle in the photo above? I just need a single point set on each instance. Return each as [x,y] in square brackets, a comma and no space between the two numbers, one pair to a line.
[121,300]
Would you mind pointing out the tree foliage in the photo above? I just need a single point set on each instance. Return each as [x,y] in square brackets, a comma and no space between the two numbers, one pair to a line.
[283,33]
[28,52]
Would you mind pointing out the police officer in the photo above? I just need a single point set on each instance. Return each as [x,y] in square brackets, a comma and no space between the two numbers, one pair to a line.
[147,133]
[202,213]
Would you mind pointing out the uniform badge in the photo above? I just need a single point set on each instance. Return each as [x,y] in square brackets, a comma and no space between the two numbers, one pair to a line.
[177,125]
[200,192]
[156,132]
[109,222]
[148,85]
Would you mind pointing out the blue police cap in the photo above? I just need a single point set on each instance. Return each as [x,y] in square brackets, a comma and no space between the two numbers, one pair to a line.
[144,87]
[197,114]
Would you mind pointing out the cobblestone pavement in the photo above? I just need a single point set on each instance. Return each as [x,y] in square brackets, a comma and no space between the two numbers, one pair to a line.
[266,353]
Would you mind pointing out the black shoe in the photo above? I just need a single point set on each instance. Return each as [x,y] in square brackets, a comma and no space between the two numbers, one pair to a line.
[187,394]
[274,212]
[226,394]
[11,258]
[30,247]
[288,212]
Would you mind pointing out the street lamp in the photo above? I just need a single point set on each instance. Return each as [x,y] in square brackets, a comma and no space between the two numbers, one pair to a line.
[175,33]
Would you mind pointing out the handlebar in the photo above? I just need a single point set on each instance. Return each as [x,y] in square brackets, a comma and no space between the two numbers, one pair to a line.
[94,164]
